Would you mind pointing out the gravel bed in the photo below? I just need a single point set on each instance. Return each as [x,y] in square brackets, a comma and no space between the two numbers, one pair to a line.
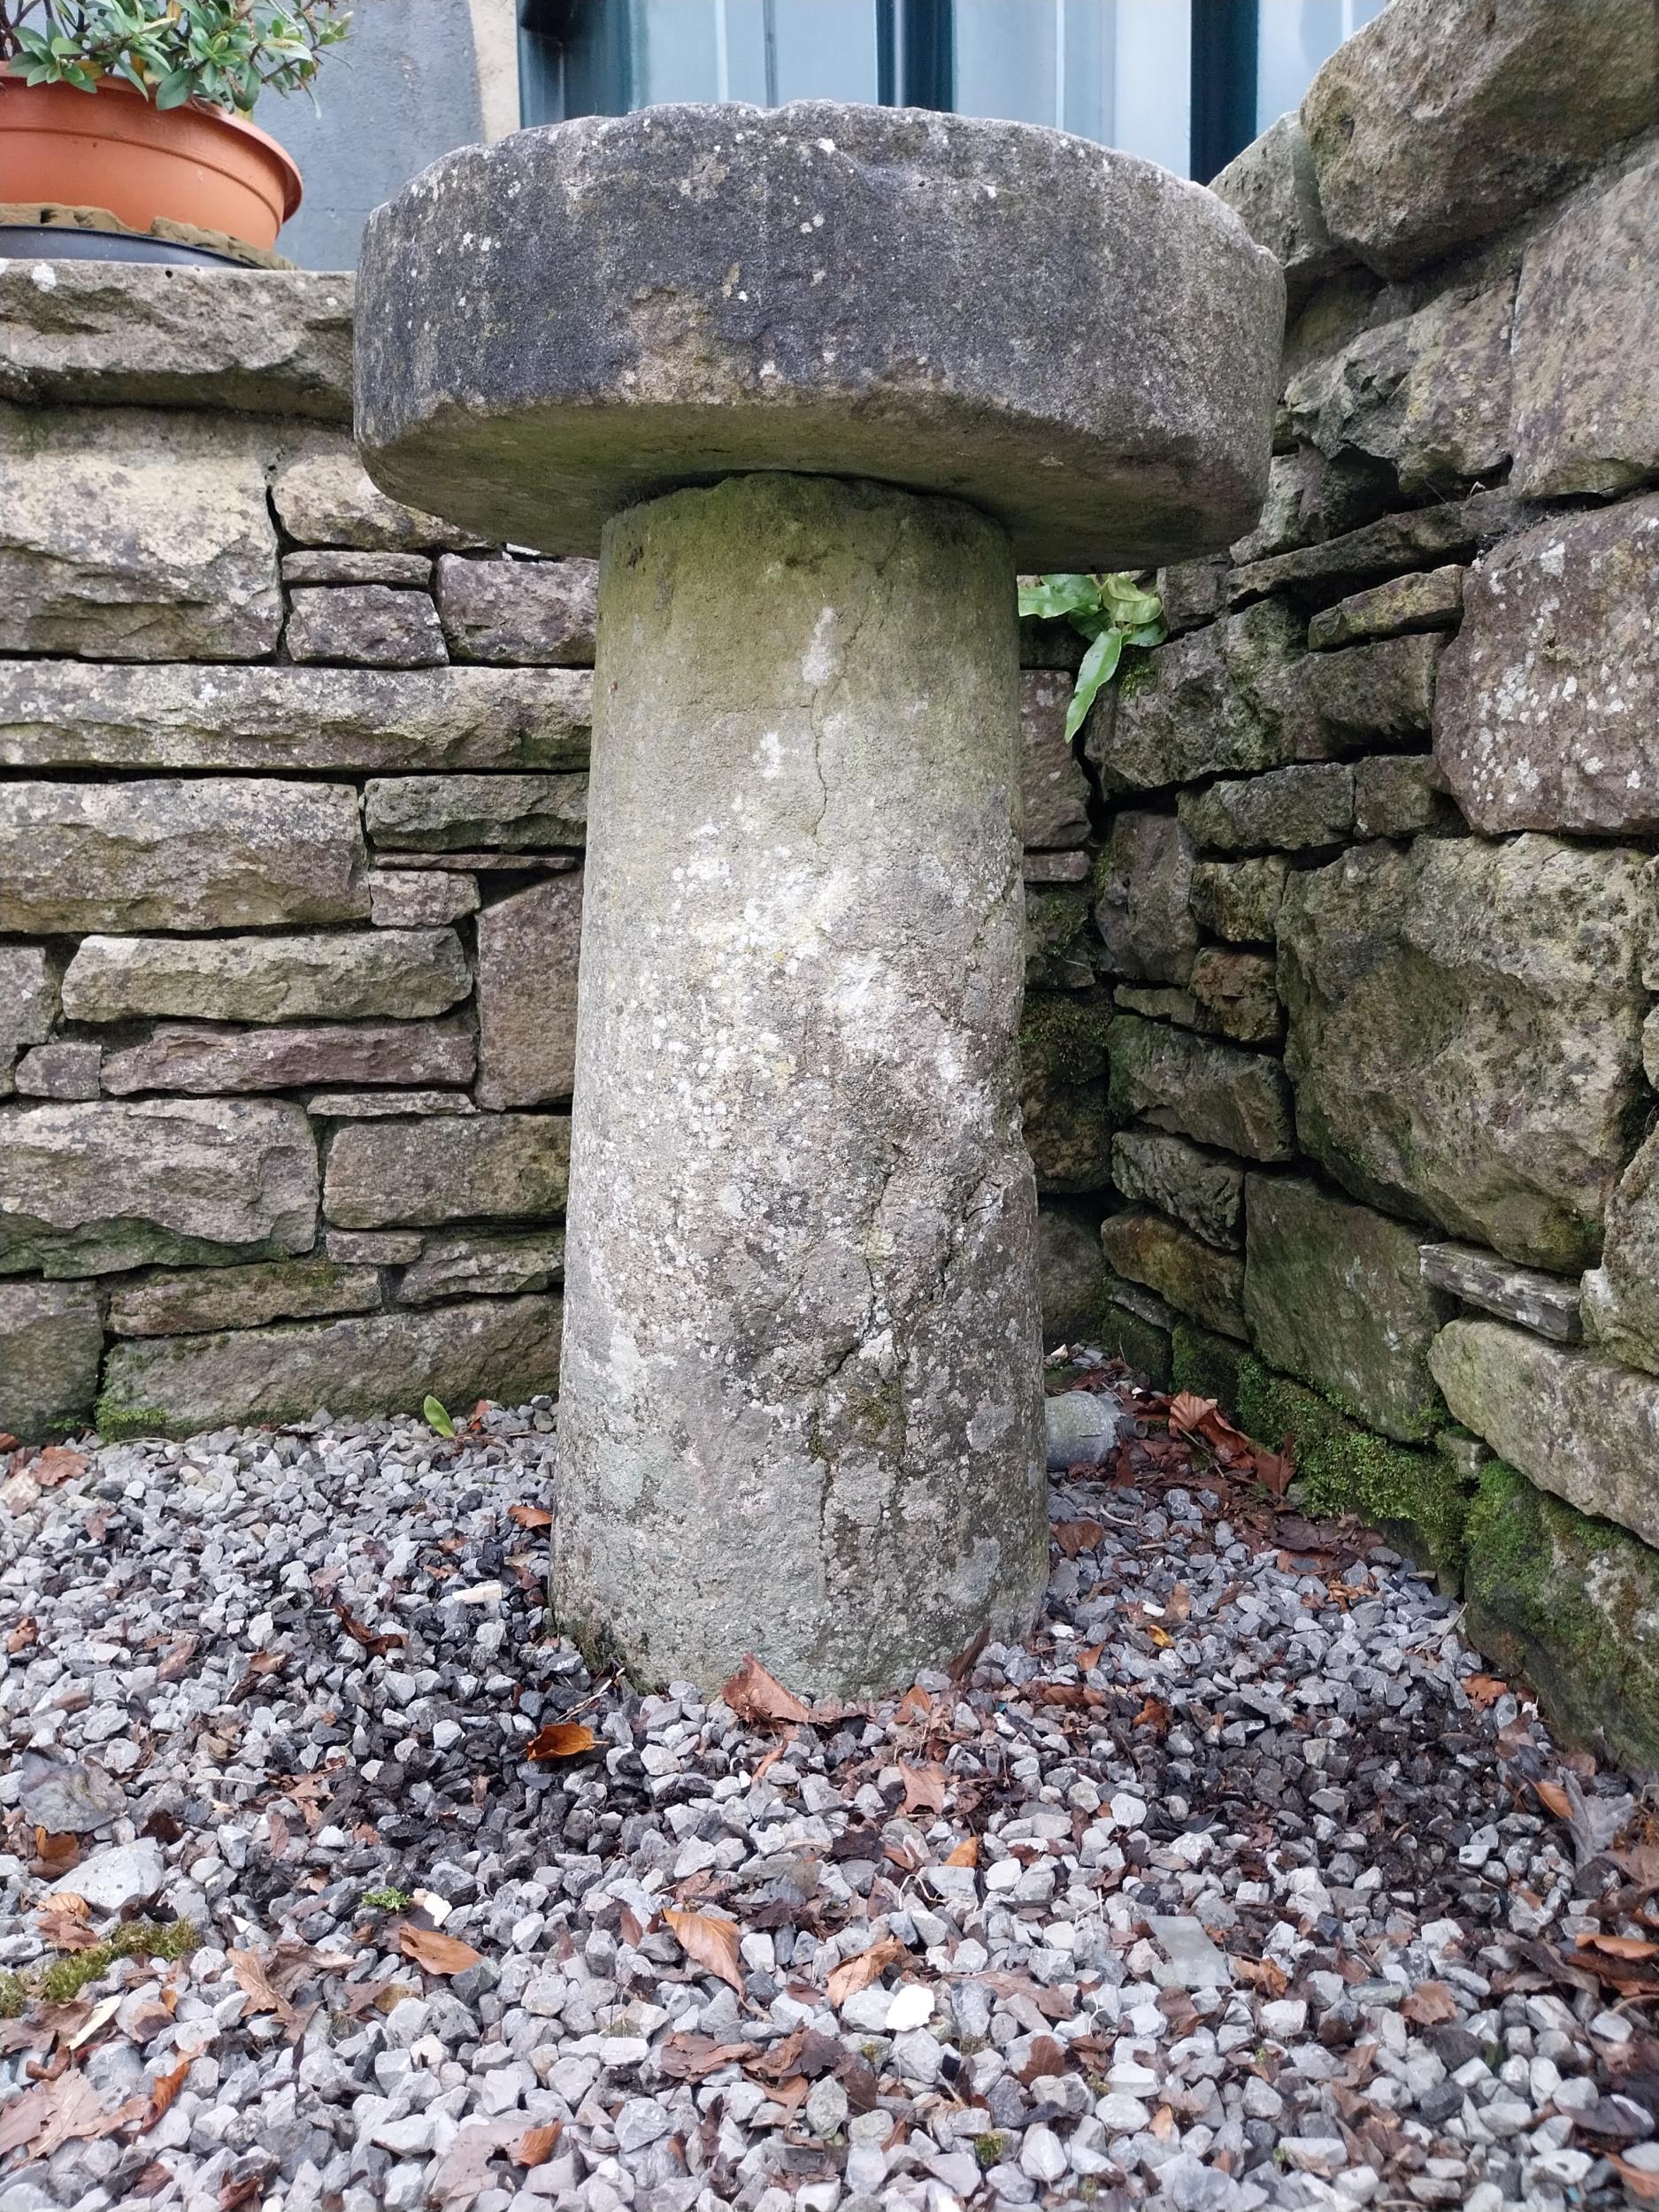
[1233,1887]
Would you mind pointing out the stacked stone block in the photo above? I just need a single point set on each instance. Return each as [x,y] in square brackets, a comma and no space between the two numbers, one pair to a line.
[1376,902]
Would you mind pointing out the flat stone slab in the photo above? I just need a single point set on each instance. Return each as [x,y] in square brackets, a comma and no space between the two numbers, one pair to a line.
[1068,337]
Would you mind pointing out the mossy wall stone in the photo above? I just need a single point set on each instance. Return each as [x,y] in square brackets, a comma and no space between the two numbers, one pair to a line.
[51,1337]
[1238,1101]
[1194,1278]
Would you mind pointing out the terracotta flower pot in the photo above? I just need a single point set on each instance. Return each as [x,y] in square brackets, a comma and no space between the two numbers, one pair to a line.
[114,149]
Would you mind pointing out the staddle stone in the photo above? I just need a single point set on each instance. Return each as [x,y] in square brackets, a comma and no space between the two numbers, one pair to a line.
[813,382]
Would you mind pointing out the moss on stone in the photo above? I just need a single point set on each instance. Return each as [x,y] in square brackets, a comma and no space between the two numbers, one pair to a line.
[1064,1037]
[1141,1345]
[116,1422]
[1573,1603]
[62,1979]
[1206,1365]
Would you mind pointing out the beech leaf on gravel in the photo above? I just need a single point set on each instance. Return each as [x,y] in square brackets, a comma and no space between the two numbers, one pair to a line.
[536,2145]
[709,1943]
[925,1787]
[755,1695]
[438,1953]
[560,1739]
[1430,2005]
[862,1969]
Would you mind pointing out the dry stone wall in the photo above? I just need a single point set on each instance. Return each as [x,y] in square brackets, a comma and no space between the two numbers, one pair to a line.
[292,797]
[1376,900]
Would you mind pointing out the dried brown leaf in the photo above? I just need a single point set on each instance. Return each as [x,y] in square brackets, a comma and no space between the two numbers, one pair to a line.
[536,2145]
[530,1517]
[63,1922]
[755,1695]
[925,1787]
[437,1952]
[57,1464]
[862,1969]
[709,1943]
[560,1739]
[54,1854]
[377,1642]
[249,1970]
[1430,2005]
[966,1853]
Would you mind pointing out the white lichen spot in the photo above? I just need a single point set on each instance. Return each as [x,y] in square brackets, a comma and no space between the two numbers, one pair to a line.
[820,662]
[768,754]
[44,277]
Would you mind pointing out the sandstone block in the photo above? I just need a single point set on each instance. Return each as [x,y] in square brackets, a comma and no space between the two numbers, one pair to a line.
[136,536]
[381,1362]
[1587,342]
[372,624]
[1424,537]
[1203,1191]
[1435,124]
[60,715]
[323,497]
[1432,601]
[1045,868]
[1281,523]
[410,572]
[1213,701]
[396,974]
[382,1105]
[1194,593]
[51,1338]
[374,1248]
[1054,790]
[1142,907]
[1547,1304]
[115,333]
[423,1174]
[91,1189]
[1237,995]
[1290,810]
[204,1057]
[1465,1033]
[530,613]
[1157,1004]
[195,1301]
[60,1070]
[527,949]
[1333,1293]
[226,853]
[1621,1297]
[1547,712]
[29,1005]
[1240,899]
[1070,1277]
[504,1263]
[1393,797]
[450,813]
[1194,1277]
[420,901]
[1272,187]
[1367,694]
[1238,1101]
[1578,1424]
[1062,1094]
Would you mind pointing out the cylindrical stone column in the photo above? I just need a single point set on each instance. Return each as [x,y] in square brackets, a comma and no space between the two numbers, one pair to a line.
[800,1395]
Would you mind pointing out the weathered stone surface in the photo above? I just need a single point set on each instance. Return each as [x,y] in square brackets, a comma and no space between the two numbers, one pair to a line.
[1280,526]
[206,1058]
[229,853]
[418,900]
[1621,1297]
[90,1189]
[1043,868]
[1240,899]
[412,572]
[1238,1101]
[1432,601]
[1586,341]
[1059,938]
[113,333]
[1419,404]
[1071,1275]
[60,715]
[1425,537]
[1465,1033]
[195,1300]
[1211,701]
[527,949]
[323,497]
[60,1070]
[28,1005]
[478,1263]
[381,1105]
[1393,797]
[533,613]
[374,1248]
[1157,1002]
[1137,432]
[1570,1605]
[1142,906]
[423,1174]
[1291,809]
[449,813]
[1127,1330]
[1435,124]
[1050,645]
[1236,996]
[1333,1293]
[1367,694]
[136,536]
[1193,1276]
[376,1363]
[398,974]
[1547,711]
[371,625]
[1193,593]
[50,1341]
[1062,1094]
[1054,790]
[1547,1304]
[1203,1191]
[1581,1426]
[1272,187]
[811,1314]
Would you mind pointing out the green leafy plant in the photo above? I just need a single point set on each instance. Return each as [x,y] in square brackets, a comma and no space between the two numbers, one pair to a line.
[223,53]
[1111,611]
[385,1900]
[435,1414]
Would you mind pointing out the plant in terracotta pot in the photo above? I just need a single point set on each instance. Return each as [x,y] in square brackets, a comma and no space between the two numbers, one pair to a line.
[139,109]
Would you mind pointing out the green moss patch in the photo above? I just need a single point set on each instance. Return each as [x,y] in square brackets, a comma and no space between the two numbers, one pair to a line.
[1206,1365]
[1573,1604]
[64,1978]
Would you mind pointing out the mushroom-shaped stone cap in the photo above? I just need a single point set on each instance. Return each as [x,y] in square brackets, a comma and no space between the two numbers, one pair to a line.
[581,316]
